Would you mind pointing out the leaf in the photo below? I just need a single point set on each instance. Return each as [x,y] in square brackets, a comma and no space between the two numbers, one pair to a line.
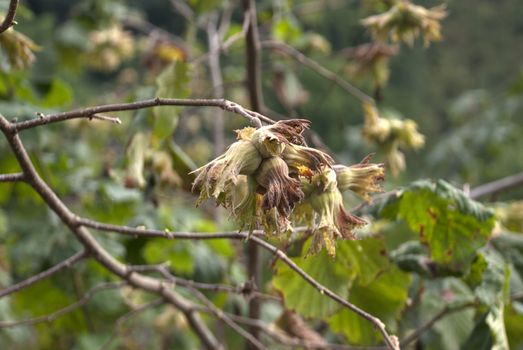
[384,298]
[363,259]
[452,225]
[59,94]
[171,83]
[177,253]
[489,332]
[302,297]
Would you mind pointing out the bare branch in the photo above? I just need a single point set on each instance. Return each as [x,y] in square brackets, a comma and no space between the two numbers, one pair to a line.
[9,19]
[59,313]
[88,112]
[217,83]
[246,289]
[428,325]
[212,308]
[497,186]
[67,263]
[318,68]
[15,177]
[95,249]
[260,242]
[106,118]
[236,36]
[390,341]
[254,87]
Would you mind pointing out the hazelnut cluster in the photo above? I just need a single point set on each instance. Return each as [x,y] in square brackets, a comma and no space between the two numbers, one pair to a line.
[270,178]
[404,21]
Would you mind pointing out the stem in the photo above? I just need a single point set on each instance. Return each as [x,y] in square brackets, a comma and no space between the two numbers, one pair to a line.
[9,19]
[252,55]
[497,186]
[43,275]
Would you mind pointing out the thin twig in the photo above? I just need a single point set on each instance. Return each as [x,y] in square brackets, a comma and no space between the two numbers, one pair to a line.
[390,341]
[88,112]
[217,83]
[67,263]
[260,242]
[59,313]
[428,325]
[95,249]
[318,68]
[106,118]
[214,310]
[254,87]
[15,177]
[246,289]
[497,186]
[9,19]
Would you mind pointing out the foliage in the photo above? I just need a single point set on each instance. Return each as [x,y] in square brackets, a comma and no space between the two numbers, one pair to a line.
[427,248]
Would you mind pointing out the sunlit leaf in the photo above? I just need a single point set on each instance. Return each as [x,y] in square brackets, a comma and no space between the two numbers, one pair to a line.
[384,298]
[451,225]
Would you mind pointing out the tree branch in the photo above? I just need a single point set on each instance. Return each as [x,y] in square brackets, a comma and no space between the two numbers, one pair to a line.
[497,186]
[9,19]
[389,340]
[44,274]
[428,325]
[318,68]
[246,289]
[253,117]
[95,249]
[15,177]
[59,313]
[254,87]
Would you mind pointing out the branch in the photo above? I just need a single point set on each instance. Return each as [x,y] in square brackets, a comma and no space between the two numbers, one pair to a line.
[428,325]
[212,308]
[9,19]
[88,112]
[15,177]
[318,68]
[44,274]
[389,340]
[497,186]
[217,83]
[254,87]
[97,251]
[246,289]
[59,313]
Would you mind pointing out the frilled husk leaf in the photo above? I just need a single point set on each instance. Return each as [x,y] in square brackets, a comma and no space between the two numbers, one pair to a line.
[271,140]
[299,156]
[18,49]
[332,219]
[404,21]
[244,202]
[362,178]
[241,158]
[279,190]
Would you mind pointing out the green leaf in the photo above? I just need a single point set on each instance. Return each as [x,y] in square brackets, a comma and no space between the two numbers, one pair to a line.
[172,83]
[177,253]
[302,297]
[59,94]
[364,259]
[384,298]
[489,332]
[452,225]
